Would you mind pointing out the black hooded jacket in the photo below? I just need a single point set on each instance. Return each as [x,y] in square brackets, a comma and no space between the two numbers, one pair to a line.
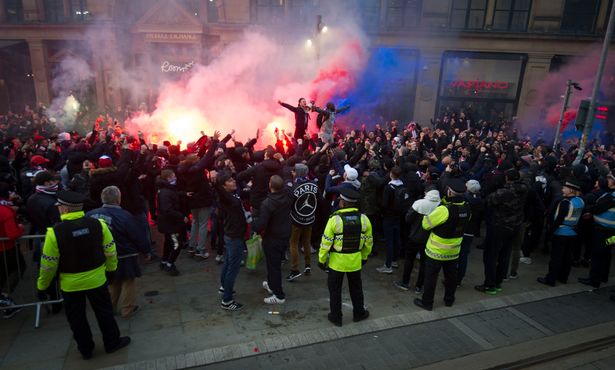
[274,217]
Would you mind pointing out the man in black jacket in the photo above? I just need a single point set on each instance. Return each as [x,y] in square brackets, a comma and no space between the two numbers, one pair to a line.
[260,175]
[200,195]
[171,220]
[234,230]
[302,117]
[274,223]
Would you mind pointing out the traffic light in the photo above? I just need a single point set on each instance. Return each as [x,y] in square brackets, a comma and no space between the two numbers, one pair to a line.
[582,115]
[604,112]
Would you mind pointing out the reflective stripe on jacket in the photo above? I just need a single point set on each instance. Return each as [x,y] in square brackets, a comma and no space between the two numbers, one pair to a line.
[333,241]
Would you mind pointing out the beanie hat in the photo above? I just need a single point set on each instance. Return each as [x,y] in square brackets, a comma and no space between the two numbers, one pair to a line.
[105,161]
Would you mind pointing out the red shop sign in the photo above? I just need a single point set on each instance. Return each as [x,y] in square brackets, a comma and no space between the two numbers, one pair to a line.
[480,85]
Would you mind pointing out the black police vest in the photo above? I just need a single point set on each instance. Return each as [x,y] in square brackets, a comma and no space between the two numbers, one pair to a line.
[80,245]
[351,231]
[455,225]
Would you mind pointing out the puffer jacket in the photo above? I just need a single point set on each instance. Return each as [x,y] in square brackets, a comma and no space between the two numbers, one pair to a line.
[274,217]
[170,206]
[506,206]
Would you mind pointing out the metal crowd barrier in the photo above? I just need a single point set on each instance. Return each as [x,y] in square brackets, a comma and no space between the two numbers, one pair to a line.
[19,279]
[20,267]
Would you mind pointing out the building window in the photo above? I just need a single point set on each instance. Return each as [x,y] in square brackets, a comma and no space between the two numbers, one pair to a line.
[79,10]
[270,11]
[468,14]
[580,16]
[402,13]
[54,11]
[511,15]
[13,10]
[370,13]
[212,11]
[302,12]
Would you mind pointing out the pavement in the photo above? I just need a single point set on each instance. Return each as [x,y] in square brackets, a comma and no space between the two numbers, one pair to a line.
[180,323]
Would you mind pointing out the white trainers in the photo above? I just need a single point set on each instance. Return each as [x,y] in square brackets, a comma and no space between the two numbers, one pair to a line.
[274,300]
[266,287]
[394,265]
[203,255]
[526,260]
[385,270]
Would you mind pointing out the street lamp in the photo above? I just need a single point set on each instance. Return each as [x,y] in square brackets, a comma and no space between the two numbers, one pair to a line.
[320,28]
[569,85]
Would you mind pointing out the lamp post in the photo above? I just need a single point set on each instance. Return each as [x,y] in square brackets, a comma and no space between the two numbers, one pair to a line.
[320,28]
[569,85]
[592,104]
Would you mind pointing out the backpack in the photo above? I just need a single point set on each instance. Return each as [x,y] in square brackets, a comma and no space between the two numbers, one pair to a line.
[402,201]
[321,118]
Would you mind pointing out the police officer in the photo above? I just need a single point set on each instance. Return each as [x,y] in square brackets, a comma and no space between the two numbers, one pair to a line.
[347,241]
[447,224]
[82,250]
[603,236]
[567,216]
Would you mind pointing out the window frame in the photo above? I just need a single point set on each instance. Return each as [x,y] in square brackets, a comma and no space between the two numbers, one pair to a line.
[511,13]
[576,30]
[468,10]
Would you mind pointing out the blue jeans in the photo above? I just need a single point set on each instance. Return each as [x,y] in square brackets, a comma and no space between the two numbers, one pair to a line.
[232,264]
[392,230]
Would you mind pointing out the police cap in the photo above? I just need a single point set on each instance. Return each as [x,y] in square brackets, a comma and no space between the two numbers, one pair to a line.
[350,195]
[70,198]
[457,185]
[573,184]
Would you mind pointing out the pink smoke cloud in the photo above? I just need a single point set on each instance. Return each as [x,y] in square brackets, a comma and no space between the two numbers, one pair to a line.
[239,90]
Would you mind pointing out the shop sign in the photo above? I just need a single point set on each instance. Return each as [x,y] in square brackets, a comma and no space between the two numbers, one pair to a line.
[167,67]
[166,36]
[480,85]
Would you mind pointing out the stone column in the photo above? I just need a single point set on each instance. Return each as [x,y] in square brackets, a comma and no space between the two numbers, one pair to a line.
[536,70]
[427,85]
[39,69]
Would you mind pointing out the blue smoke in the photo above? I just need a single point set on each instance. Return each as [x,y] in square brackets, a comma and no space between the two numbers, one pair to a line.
[385,90]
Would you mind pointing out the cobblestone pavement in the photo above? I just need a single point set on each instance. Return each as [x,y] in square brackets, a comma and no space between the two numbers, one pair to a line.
[180,323]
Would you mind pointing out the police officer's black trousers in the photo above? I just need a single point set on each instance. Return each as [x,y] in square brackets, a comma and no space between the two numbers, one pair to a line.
[432,269]
[74,304]
[335,280]
[560,262]
[601,257]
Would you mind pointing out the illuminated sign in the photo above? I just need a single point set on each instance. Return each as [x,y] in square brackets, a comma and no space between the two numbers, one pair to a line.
[167,67]
[480,85]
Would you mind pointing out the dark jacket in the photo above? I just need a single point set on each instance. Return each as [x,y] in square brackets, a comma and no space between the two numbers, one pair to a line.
[129,236]
[371,193]
[232,213]
[260,175]
[477,206]
[274,220]
[417,234]
[42,212]
[306,198]
[195,181]
[170,206]
[301,120]
[100,178]
[506,206]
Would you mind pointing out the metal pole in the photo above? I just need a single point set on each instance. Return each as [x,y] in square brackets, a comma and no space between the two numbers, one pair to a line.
[317,36]
[561,115]
[592,104]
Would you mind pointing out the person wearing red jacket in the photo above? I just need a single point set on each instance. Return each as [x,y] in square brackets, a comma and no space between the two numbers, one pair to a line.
[11,260]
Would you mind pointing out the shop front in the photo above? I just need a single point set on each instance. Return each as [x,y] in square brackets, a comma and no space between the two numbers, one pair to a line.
[486,85]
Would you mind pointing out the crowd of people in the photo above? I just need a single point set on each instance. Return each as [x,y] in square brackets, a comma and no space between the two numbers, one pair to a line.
[412,192]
